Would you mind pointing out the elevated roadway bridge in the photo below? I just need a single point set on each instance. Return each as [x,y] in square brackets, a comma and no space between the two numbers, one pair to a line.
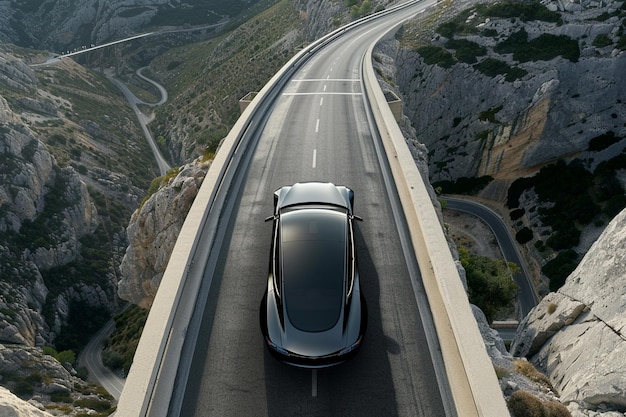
[321,118]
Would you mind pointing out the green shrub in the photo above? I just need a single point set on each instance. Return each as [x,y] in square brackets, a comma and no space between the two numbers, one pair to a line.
[434,55]
[453,27]
[67,356]
[464,185]
[601,41]
[489,115]
[543,48]
[489,282]
[517,214]
[23,388]
[603,141]
[466,51]
[60,397]
[525,235]
[559,268]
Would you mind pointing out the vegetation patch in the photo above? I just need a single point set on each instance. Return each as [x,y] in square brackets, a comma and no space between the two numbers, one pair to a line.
[492,67]
[559,268]
[434,55]
[489,115]
[210,77]
[457,26]
[466,51]
[527,369]
[463,185]
[489,282]
[121,345]
[601,41]
[543,48]
[603,141]
[595,197]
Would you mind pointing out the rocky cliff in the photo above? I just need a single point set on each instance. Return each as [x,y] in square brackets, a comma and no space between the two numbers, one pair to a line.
[483,109]
[153,230]
[45,212]
[28,372]
[53,148]
[72,163]
[577,334]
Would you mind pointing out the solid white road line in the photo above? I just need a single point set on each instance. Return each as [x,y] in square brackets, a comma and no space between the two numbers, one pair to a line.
[316,93]
[303,80]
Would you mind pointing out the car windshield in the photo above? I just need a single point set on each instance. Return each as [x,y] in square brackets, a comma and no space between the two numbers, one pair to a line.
[314,262]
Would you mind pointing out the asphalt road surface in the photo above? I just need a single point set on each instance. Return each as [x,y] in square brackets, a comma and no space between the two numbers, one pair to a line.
[318,131]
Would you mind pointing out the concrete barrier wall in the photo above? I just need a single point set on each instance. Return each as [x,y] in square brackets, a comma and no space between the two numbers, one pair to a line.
[474,385]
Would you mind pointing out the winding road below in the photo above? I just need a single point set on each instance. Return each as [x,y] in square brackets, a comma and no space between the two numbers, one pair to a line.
[528,296]
[143,118]
[91,358]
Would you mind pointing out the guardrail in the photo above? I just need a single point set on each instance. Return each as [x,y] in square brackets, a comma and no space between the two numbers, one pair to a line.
[473,382]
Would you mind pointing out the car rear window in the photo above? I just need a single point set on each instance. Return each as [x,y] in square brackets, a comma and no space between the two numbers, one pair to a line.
[314,262]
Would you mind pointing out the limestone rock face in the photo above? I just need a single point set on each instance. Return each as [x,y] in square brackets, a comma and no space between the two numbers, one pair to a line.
[44,212]
[28,369]
[13,406]
[576,335]
[152,233]
[475,124]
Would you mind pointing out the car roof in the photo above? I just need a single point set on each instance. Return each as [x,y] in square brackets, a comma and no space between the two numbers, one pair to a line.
[313,192]
[313,246]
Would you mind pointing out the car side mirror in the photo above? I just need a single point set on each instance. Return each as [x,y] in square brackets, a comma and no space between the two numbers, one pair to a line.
[267,219]
[355,217]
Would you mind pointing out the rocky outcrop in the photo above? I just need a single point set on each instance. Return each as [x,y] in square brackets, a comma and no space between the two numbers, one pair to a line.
[13,406]
[577,335]
[31,373]
[45,211]
[152,233]
[475,124]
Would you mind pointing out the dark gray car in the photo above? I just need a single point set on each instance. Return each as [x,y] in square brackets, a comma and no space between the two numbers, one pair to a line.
[313,313]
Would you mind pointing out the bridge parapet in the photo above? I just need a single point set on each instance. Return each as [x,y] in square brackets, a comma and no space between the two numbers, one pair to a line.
[471,375]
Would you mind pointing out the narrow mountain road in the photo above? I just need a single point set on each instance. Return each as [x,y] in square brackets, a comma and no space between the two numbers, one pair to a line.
[528,298]
[91,358]
[143,118]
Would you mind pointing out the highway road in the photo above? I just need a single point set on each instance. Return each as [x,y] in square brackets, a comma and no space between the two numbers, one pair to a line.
[508,246]
[318,130]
